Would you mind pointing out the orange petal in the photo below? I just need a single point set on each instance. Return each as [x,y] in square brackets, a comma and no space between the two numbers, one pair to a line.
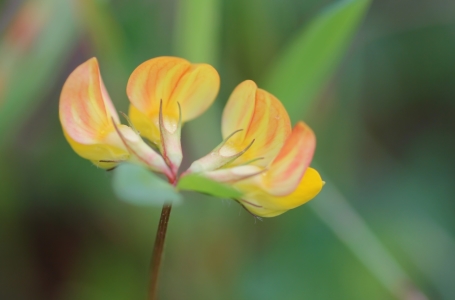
[86,111]
[239,110]
[171,80]
[86,114]
[102,155]
[146,127]
[196,91]
[263,119]
[263,204]
[153,81]
[294,158]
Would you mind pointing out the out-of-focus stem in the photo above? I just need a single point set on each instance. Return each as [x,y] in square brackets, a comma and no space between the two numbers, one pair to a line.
[158,251]
[336,212]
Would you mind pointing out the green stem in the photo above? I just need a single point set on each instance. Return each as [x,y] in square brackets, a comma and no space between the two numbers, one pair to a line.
[336,212]
[158,251]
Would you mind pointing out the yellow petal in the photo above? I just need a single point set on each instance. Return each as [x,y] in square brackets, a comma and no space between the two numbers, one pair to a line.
[170,80]
[262,118]
[100,154]
[310,185]
[153,81]
[86,111]
[289,166]
[262,204]
[239,109]
[196,91]
[147,128]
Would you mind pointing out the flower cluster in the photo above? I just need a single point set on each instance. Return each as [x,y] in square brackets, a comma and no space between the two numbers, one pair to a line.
[261,156]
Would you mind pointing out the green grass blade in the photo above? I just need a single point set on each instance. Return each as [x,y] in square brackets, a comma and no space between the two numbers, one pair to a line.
[35,71]
[299,74]
[197,31]
[336,212]
[197,27]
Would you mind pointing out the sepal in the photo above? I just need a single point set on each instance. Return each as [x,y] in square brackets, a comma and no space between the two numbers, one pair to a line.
[171,147]
[140,152]
[232,175]
[220,156]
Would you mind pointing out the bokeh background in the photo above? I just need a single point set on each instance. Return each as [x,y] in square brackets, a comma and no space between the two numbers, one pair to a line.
[375,80]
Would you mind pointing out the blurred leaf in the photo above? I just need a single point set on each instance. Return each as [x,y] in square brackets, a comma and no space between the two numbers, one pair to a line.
[105,32]
[194,182]
[197,35]
[197,30]
[137,185]
[109,44]
[37,70]
[435,260]
[297,78]
[311,58]
[345,222]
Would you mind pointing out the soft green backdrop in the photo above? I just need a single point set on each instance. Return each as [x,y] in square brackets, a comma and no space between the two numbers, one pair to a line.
[375,80]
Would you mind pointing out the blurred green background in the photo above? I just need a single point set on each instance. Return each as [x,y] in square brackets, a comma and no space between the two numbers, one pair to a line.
[375,80]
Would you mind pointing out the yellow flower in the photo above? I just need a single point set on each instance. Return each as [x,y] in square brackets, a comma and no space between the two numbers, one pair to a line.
[92,127]
[180,89]
[261,155]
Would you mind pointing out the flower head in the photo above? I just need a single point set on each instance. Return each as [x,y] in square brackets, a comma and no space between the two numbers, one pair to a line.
[174,89]
[261,155]
[92,126]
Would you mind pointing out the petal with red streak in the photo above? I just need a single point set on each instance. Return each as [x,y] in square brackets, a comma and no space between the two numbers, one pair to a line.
[169,80]
[196,90]
[263,119]
[239,110]
[289,166]
[154,81]
[85,107]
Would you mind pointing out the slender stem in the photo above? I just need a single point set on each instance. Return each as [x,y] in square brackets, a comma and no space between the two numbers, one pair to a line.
[354,232]
[158,251]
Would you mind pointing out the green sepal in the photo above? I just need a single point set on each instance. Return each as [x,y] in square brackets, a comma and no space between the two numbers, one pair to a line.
[137,185]
[198,183]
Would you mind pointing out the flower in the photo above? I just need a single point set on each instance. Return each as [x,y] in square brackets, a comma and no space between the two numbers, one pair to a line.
[164,92]
[261,155]
[180,90]
[92,127]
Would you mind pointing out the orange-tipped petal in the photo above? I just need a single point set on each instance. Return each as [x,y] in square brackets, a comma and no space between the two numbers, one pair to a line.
[153,81]
[86,110]
[294,158]
[263,204]
[171,80]
[87,115]
[265,121]
[102,155]
[196,90]
[239,110]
